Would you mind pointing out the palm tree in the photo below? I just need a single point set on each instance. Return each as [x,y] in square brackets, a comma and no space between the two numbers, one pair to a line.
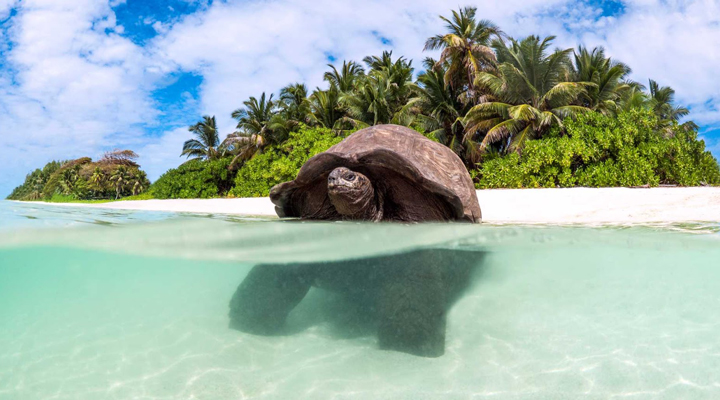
[97,180]
[206,144]
[259,125]
[326,108]
[441,107]
[382,62]
[294,103]
[120,178]
[368,103]
[385,95]
[38,182]
[529,95]
[140,182]
[661,101]
[258,118]
[68,179]
[465,48]
[255,117]
[397,76]
[606,76]
[344,80]
[378,100]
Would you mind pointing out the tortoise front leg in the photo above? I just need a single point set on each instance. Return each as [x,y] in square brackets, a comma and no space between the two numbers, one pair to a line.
[412,306]
[266,296]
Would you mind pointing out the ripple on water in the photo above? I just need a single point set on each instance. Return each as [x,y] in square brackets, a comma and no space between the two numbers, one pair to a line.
[140,311]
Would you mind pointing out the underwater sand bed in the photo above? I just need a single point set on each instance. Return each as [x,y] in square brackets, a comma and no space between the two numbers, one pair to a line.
[553,313]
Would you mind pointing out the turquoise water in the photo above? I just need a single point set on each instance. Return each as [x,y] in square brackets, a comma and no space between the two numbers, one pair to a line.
[126,305]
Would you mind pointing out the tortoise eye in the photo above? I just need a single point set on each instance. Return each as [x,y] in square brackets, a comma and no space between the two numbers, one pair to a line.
[351,177]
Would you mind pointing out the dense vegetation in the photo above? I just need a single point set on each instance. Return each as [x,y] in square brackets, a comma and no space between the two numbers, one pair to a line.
[280,163]
[114,176]
[516,111]
[597,150]
[195,179]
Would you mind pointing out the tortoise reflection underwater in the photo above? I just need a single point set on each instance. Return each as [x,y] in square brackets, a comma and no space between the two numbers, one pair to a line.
[407,295]
[380,173]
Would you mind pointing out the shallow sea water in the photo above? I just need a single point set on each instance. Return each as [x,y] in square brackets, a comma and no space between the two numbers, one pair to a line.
[127,305]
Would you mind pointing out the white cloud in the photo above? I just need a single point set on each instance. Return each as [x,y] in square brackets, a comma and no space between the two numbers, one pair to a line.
[243,49]
[71,88]
[675,43]
[5,7]
[163,152]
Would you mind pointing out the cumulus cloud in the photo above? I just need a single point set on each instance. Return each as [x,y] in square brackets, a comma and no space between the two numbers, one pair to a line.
[674,43]
[73,84]
[243,49]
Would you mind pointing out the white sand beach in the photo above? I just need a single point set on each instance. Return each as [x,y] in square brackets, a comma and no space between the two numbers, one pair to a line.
[516,206]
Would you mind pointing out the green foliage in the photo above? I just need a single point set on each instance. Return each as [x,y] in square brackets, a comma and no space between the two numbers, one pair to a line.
[83,179]
[598,151]
[35,181]
[142,196]
[207,142]
[282,162]
[195,179]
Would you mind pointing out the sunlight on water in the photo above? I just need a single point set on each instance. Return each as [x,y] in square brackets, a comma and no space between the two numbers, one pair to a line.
[138,308]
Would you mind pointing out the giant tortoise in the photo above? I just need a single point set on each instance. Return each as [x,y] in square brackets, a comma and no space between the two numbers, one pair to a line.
[381,173]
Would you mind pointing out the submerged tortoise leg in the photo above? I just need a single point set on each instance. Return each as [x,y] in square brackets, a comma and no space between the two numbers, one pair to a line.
[266,296]
[412,305]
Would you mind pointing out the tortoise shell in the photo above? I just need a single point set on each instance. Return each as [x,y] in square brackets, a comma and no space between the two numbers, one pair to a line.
[421,180]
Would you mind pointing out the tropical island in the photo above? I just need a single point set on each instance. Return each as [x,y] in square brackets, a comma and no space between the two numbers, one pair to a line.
[518,113]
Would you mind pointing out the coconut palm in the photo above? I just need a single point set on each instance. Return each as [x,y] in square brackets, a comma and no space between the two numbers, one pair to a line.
[382,62]
[68,179]
[294,104]
[385,95]
[662,100]
[97,180]
[258,118]
[378,100]
[206,144]
[368,103]
[120,178]
[344,79]
[397,75]
[326,108]
[529,95]
[441,108]
[465,48]
[606,75]
[139,182]
[634,97]
[259,125]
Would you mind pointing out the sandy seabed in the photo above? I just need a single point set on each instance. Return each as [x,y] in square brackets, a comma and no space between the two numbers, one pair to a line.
[502,206]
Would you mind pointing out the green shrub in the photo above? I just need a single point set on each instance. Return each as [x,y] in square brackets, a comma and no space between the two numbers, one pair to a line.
[34,184]
[84,180]
[54,184]
[598,151]
[194,179]
[282,162]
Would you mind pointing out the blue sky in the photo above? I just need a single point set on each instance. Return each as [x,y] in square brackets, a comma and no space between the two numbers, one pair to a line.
[79,77]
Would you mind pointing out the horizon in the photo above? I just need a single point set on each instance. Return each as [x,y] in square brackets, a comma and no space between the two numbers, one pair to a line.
[83,77]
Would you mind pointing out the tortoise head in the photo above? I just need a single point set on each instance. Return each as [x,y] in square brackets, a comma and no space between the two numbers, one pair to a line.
[351,193]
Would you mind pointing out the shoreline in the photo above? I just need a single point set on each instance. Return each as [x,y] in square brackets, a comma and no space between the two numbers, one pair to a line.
[504,206]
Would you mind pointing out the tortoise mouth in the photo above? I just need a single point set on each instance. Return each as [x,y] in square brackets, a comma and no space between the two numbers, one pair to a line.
[336,188]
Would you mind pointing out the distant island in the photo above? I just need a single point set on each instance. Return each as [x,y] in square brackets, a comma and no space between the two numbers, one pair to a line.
[518,113]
